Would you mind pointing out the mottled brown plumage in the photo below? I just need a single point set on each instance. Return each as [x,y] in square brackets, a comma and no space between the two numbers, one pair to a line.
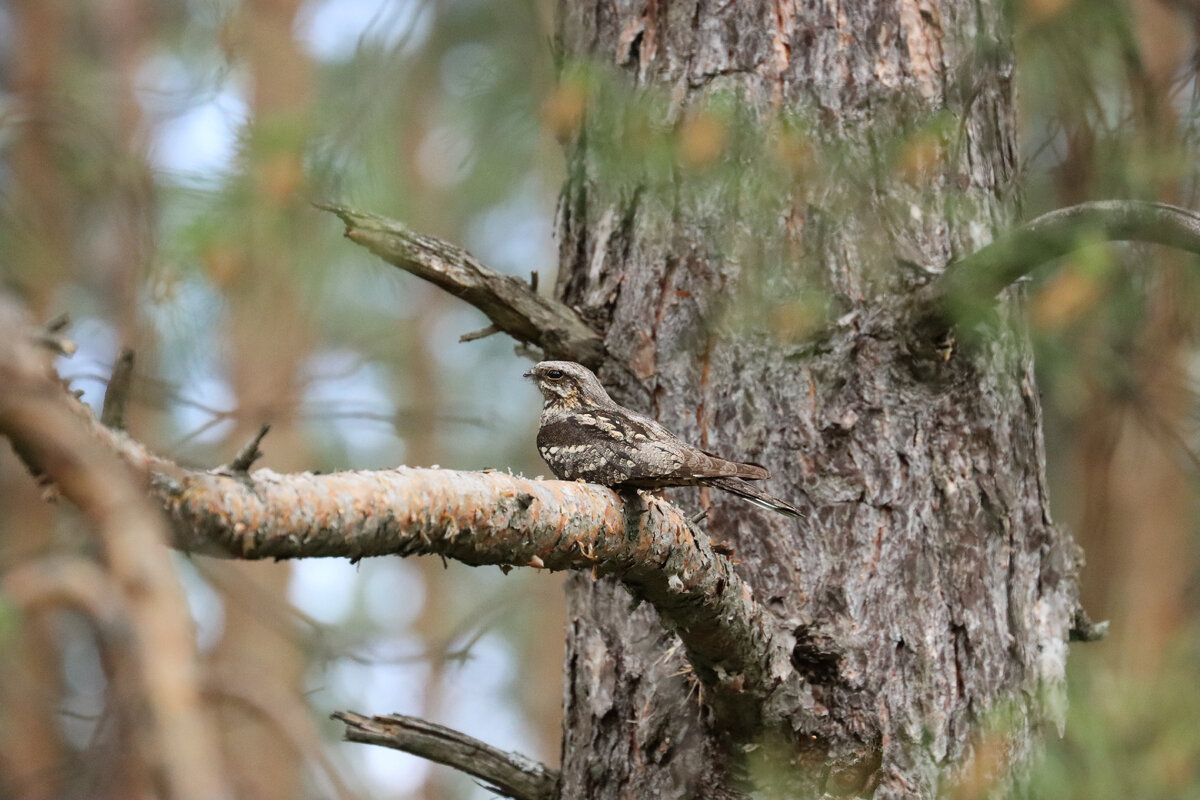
[584,435]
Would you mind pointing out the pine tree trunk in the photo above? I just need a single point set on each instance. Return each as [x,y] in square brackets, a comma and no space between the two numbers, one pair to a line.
[754,287]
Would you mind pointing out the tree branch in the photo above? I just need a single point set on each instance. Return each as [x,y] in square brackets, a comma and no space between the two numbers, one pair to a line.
[970,284]
[512,305]
[511,774]
[739,649]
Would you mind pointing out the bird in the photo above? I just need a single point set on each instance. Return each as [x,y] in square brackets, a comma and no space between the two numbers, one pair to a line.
[584,435]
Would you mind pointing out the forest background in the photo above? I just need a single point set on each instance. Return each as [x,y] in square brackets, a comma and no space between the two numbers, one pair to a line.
[158,162]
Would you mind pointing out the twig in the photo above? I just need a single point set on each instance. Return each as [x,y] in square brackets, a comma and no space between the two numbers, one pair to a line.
[49,432]
[1084,630]
[969,285]
[116,394]
[50,336]
[482,333]
[511,774]
[57,323]
[511,304]
[249,453]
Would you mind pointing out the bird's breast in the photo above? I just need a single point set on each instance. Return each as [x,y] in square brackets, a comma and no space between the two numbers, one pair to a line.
[575,450]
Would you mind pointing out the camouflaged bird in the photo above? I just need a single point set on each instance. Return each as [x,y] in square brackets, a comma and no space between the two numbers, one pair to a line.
[585,436]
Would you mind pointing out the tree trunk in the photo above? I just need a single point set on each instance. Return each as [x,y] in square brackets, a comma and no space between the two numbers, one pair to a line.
[750,205]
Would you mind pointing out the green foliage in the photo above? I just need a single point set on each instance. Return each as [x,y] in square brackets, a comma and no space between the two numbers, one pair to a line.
[1125,738]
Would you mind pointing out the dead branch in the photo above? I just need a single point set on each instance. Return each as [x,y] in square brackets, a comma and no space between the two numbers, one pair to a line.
[51,336]
[738,648]
[249,453]
[492,518]
[116,394]
[511,774]
[43,422]
[971,283]
[512,305]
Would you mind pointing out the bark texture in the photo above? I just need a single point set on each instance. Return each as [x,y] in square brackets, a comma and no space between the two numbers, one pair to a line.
[928,588]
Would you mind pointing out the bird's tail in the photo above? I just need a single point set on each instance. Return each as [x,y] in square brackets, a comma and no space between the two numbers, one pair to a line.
[754,495]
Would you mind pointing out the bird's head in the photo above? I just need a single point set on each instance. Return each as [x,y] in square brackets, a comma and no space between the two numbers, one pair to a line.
[568,384]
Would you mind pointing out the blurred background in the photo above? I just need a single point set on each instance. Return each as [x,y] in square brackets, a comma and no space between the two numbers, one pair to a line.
[158,162]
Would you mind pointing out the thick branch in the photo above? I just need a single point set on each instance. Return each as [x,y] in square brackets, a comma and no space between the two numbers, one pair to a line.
[512,305]
[972,282]
[738,648]
[491,518]
[511,774]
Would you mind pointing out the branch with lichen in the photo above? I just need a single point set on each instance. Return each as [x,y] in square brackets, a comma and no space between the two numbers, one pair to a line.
[513,306]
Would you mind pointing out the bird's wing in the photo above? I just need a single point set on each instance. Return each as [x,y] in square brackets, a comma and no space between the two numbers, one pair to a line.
[658,453]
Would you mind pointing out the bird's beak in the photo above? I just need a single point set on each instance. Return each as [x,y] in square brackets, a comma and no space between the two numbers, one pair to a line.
[527,374]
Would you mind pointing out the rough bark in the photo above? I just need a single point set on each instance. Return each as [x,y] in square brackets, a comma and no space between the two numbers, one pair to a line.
[935,588]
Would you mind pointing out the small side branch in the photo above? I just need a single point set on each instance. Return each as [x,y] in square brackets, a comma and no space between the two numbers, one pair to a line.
[512,305]
[116,395]
[510,774]
[482,333]
[1084,630]
[249,453]
[972,282]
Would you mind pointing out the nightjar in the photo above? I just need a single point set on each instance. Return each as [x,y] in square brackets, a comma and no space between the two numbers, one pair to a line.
[584,435]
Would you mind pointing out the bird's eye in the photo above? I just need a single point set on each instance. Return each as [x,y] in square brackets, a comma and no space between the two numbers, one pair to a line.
[554,374]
